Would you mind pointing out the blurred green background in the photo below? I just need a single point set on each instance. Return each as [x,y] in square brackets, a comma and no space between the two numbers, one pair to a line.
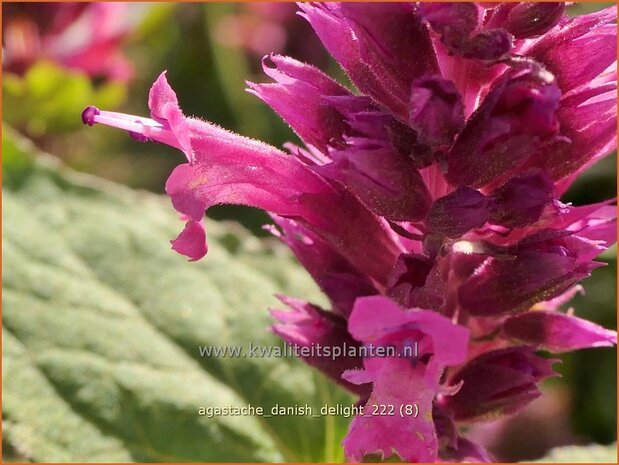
[209,51]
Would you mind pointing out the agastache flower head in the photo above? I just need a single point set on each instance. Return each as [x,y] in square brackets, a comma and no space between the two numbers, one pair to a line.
[426,206]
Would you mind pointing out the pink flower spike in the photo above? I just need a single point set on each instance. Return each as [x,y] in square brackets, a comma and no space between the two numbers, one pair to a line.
[426,203]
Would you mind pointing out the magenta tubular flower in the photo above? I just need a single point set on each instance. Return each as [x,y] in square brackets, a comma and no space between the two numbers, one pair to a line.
[407,383]
[81,36]
[426,206]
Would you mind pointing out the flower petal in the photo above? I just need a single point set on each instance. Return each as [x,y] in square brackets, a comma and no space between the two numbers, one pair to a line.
[497,383]
[526,20]
[456,23]
[488,45]
[521,200]
[164,108]
[298,97]
[566,49]
[407,385]
[538,268]
[510,126]
[337,278]
[306,325]
[556,332]
[376,317]
[458,212]
[408,277]
[337,37]
[388,36]
[436,110]
[412,439]
[588,119]
[191,241]
[384,180]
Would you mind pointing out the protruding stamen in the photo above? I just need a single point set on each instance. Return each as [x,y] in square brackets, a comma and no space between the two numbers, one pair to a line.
[139,128]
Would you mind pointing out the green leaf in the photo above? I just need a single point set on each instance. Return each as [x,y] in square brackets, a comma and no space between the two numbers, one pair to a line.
[583,454]
[102,325]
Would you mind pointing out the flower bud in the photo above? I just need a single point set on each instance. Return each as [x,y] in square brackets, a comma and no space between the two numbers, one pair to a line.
[457,213]
[496,383]
[528,19]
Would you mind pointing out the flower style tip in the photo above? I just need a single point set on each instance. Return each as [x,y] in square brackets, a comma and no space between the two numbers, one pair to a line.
[88,115]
